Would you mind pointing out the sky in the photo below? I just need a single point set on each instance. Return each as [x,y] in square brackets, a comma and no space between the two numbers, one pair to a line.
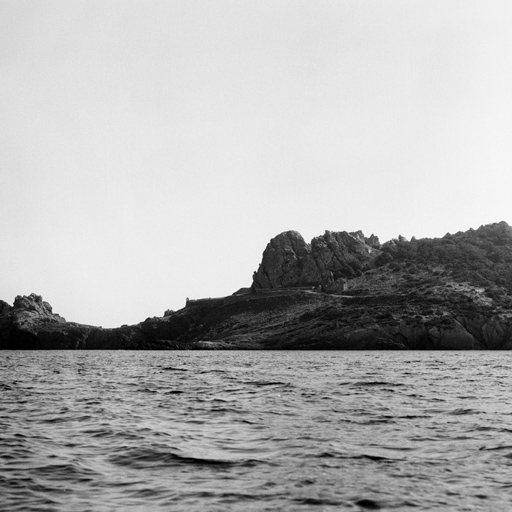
[149,150]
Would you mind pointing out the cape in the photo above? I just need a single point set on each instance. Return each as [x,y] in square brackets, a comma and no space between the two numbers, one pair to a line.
[341,291]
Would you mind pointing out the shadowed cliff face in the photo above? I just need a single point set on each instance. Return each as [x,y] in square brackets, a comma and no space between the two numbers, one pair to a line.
[31,324]
[342,291]
[28,322]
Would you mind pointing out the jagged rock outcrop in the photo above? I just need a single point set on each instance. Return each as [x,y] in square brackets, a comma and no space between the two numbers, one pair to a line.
[19,323]
[341,255]
[34,308]
[31,324]
[288,261]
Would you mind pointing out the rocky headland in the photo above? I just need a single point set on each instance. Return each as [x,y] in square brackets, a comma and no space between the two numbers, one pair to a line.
[341,291]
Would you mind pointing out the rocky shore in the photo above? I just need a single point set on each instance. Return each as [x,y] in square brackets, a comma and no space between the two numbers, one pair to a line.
[341,291]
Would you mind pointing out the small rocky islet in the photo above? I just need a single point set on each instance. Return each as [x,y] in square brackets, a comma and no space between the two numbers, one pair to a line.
[342,291]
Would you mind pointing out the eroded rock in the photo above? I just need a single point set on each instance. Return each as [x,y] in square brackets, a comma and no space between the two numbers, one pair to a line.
[288,261]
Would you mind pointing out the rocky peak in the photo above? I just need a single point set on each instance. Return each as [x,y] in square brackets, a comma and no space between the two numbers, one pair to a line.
[32,303]
[34,306]
[288,261]
[4,307]
[372,241]
[499,232]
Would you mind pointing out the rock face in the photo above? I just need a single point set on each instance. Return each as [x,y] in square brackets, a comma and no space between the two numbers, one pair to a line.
[288,261]
[33,307]
[31,324]
[21,323]
[450,293]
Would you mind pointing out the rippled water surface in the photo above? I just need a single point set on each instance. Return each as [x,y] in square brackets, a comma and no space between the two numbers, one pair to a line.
[289,431]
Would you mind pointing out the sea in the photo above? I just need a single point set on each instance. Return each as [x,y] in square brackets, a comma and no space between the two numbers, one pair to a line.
[255,431]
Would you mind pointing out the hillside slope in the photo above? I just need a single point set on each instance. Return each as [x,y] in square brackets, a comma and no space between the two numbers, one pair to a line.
[342,291]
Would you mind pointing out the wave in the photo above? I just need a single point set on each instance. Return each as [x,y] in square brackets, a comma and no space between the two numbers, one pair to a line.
[363,383]
[253,431]
[139,458]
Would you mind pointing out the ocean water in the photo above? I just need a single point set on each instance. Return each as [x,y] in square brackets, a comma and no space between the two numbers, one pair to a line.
[243,431]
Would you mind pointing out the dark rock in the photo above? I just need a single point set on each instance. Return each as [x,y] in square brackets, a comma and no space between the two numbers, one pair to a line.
[451,293]
[4,307]
[31,324]
[288,261]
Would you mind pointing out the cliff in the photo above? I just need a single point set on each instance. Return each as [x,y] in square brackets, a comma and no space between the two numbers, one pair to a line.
[288,261]
[341,291]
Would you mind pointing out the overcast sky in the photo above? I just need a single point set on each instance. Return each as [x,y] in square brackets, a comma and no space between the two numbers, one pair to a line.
[149,150]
